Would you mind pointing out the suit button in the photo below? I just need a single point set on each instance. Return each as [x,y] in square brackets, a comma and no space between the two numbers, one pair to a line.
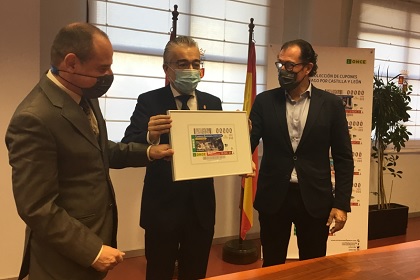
[110,205]
[294,157]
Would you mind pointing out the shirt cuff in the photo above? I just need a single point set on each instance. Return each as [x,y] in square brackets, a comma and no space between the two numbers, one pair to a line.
[97,257]
[148,153]
[150,142]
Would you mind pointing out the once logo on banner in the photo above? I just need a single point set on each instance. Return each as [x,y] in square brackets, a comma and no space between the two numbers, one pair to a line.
[356,61]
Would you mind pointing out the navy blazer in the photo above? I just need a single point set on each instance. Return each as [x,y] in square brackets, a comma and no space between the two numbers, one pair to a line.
[164,201]
[326,127]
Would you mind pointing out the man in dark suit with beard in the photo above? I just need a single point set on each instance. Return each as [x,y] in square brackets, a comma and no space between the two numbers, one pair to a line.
[300,126]
[178,217]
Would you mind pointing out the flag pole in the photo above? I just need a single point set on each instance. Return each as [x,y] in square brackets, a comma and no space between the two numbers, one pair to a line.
[175,14]
[172,34]
[251,26]
[242,251]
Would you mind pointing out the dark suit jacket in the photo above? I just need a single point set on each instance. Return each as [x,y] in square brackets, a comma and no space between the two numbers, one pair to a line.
[163,200]
[61,182]
[326,127]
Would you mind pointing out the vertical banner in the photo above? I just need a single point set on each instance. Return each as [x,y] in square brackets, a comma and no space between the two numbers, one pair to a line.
[348,73]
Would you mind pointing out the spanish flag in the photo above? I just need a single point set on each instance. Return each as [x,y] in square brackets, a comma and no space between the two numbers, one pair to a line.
[249,185]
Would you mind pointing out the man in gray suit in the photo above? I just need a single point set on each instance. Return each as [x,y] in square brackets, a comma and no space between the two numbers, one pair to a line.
[60,156]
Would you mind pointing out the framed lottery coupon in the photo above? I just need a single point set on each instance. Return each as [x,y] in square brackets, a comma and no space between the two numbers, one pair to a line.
[209,144]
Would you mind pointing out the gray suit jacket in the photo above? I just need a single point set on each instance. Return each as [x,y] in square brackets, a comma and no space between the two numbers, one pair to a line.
[61,183]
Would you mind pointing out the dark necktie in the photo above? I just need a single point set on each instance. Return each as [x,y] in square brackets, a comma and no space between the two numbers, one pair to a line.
[184,100]
[91,117]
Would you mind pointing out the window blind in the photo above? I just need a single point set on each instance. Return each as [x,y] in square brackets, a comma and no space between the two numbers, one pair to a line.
[139,31]
[392,28]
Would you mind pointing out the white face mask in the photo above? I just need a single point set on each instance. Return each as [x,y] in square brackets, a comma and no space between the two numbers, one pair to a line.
[186,80]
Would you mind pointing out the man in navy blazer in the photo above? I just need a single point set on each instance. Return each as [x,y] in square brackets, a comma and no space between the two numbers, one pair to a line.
[178,217]
[301,127]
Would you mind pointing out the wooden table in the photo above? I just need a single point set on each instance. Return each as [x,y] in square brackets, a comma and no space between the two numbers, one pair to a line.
[394,262]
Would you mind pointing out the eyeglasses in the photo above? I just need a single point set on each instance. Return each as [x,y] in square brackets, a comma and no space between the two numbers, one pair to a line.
[185,64]
[287,65]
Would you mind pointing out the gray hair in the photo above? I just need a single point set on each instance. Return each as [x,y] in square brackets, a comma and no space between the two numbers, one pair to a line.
[178,41]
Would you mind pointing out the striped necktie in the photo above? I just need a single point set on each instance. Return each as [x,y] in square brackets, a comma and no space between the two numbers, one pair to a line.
[90,115]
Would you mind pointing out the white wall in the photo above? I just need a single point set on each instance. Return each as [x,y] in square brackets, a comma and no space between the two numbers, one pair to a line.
[26,26]
[19,60]
[26,35]
[403,190]
[406,190]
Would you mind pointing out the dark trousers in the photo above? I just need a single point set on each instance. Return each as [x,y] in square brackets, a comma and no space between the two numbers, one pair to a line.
[312,233]
[189,243]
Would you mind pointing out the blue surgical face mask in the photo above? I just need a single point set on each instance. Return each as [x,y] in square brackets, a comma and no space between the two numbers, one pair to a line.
[186,80]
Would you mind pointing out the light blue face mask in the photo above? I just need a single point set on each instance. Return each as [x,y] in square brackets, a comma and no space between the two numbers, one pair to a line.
[186,80]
